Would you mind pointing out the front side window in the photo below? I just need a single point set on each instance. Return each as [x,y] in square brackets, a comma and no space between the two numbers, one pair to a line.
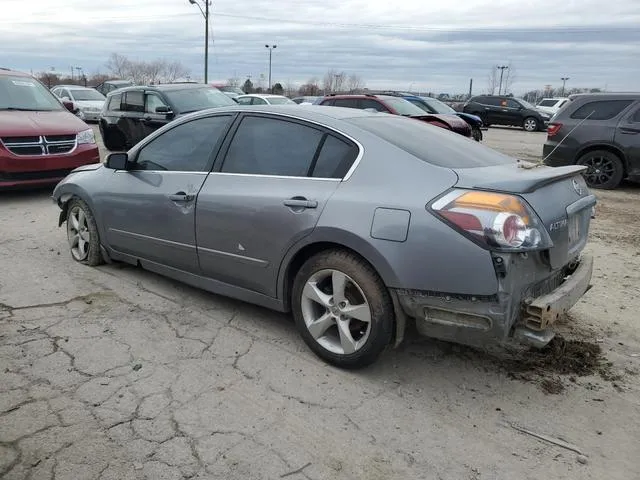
[153,101]
[346,102]
[403,107]
[268,146]
[636,116]
[134,101]
[601,110]
[374,104]
[513,104]
[185,148]
[114,102]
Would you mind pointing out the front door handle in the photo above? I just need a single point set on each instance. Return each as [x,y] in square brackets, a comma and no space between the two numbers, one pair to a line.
[630,131]
[181,197]
[300,202]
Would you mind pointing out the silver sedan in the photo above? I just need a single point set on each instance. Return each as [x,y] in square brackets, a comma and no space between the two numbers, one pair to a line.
[356,222]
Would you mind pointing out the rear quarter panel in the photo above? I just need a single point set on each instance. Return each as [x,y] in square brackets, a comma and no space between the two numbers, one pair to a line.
[433,256]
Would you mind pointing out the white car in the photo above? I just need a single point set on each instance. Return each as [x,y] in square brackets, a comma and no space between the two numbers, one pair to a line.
[88,101]
[263,99]
[552,105]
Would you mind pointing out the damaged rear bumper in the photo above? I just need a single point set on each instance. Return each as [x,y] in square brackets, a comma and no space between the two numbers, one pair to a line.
[501,318]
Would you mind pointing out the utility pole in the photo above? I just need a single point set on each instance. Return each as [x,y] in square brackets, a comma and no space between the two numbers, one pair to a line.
[470,86]
[270,47]
[502,68]
[205,14]
[564,81]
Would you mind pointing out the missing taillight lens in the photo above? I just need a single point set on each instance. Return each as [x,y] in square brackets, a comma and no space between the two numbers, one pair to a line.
[553,129]
[497,221]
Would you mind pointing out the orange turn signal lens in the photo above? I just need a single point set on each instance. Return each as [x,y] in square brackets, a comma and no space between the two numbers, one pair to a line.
[496,202]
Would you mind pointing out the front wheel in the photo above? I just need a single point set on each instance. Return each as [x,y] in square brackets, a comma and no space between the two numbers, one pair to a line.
[604,169]
[82,234]
[342,309]
[530,124]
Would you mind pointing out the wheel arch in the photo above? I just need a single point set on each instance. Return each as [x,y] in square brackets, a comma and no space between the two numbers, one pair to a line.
[603,146]
[324,240]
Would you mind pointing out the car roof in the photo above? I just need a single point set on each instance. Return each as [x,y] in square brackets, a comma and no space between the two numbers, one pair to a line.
[262,95]
[73,86]
[8,71]
[161,87]
[608,95]
[363,95]
[318,113]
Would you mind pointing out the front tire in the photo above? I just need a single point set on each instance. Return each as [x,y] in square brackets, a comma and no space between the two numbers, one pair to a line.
[530,124]
[604,169]
[476,133]
[342,309]
[82,234]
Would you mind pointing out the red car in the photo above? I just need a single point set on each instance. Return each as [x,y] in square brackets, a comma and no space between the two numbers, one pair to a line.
[41,141]
[397,106]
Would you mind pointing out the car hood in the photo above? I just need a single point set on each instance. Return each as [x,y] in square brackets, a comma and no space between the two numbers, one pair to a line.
[25,124]
[90,103]
[88,168]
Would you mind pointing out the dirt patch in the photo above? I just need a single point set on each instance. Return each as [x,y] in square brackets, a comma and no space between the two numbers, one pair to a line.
[552,386]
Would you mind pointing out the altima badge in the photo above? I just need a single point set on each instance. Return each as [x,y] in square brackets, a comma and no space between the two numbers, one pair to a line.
[576,186]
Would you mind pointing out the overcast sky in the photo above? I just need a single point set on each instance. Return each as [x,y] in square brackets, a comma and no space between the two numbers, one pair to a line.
[427,45]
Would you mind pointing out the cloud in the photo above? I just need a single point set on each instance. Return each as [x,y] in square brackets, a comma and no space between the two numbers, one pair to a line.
[436,48]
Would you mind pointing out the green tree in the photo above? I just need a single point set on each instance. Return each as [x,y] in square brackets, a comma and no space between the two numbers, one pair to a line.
[277,89]
[247,86]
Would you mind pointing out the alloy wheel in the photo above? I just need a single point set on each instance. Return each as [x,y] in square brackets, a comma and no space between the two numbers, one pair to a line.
[530,125]
[336,312]
[600,170]
[78,234]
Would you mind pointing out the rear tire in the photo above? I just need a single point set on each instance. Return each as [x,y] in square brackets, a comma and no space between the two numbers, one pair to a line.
[476,133]
[531,124]
[605,170]
[342,309]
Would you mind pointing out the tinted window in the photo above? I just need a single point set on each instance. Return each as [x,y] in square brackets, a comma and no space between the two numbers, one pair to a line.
[258,101]
[346,102]
[267,146]
[114,102]
[368,103]
[430,144]
[244,101]
[547,103]
[513,104]
[636,116]
[134,101]
[493,101]
[601,110]
[330,103]
[185,148]
[335,159]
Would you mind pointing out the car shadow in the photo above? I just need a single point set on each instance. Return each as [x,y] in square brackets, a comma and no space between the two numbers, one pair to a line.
[24,194]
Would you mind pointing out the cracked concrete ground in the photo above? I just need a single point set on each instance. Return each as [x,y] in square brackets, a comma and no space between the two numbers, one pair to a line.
[114,373]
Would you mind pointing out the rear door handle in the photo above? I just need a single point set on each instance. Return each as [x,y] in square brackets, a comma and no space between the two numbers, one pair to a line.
[181,197]
[300,202]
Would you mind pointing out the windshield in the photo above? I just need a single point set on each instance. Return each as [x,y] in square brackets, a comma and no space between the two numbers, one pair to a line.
[403,107]
[237,90]
[430,144]
[193,99]
[437,106]
[24,93]
[86,95]
[279,100]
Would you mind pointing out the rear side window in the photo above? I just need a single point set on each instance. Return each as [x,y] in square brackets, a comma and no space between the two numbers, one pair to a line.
[335,159]
[494,101]
[133,102]
[329,103]
[269,146]
[430,144]
[601,110]
[346,102]
[114,102]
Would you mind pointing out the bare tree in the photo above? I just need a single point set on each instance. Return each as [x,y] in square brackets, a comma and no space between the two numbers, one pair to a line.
[333,81]
[311,88]
[290,89]
[154,71]
[233,82]
[355,83]
[118,65]
[175,70]
[493,80]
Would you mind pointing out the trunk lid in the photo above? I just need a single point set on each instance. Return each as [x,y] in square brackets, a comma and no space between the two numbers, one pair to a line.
[559,196]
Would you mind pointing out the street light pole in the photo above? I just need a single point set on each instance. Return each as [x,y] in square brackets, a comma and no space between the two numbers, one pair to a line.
[270,47]
[564,81]
[502,68]
[205,14]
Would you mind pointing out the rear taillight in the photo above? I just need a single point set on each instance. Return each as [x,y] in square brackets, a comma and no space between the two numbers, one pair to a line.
[496,221]
[553,129]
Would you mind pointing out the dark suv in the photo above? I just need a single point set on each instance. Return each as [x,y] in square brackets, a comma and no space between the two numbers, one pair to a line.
[600,131]
[130,114]
[502,110]
[396,105]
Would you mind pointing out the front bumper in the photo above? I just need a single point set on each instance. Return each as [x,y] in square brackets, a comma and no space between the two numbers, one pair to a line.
[502,318]
[89,116]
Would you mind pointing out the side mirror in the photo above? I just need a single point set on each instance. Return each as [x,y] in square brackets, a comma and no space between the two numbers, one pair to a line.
[117,161]
[69,105]
[163,109]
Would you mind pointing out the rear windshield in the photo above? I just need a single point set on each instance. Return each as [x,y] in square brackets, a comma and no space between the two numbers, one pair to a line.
[547,103]
[601,110]
[25,93]
[431,144]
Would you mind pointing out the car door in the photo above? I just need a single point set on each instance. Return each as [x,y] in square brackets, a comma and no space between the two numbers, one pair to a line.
[508,112]
[149,209]
[153,120]
[490,110]
[260,200]
[132,112]
[627,136]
